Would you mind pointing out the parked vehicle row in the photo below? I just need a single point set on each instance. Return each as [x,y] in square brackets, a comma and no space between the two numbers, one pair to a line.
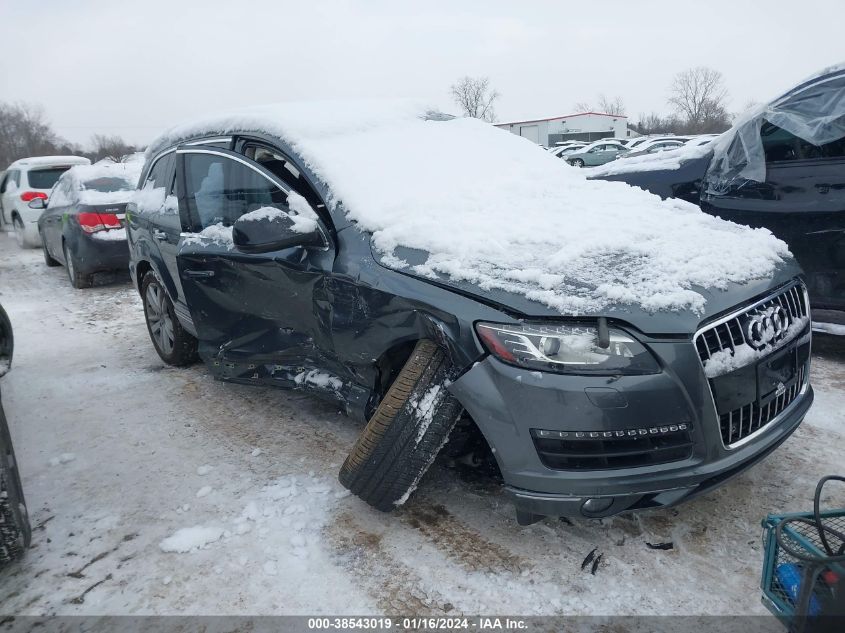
[607,150]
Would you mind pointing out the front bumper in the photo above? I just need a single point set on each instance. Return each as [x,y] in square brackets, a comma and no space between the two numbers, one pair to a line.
[507,402]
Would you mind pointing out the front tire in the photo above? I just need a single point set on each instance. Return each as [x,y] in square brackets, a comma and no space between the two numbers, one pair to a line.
[577,162]
[173,343]
[77,279]
[405,434]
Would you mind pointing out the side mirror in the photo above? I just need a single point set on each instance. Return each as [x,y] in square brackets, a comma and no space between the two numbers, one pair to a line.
[37,203]
[271,229]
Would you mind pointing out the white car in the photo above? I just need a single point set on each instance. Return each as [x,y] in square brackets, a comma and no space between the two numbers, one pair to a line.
[562,151]
[24,181]
[704,139]
[653,147]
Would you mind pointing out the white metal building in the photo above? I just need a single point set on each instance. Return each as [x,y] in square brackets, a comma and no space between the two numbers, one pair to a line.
[585,126]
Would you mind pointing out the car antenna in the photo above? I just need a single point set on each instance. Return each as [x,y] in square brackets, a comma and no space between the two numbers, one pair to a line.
[604,333]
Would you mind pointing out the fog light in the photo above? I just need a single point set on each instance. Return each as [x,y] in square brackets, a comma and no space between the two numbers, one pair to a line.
[594,506]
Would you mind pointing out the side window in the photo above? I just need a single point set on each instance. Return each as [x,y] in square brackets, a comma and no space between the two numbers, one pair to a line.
[284,170]
[10,182]
[63,193]
[219,190]
[780,145]
[161,169]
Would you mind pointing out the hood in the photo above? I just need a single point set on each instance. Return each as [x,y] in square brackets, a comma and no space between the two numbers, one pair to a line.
[716,301]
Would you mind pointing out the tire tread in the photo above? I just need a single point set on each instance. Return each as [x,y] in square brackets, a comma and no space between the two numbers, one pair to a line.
[389,458]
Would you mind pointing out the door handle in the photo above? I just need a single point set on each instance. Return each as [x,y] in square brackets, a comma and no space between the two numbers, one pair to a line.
[159,235]
[199,273]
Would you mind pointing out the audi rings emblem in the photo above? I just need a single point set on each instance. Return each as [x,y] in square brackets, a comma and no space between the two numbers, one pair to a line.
[766,326]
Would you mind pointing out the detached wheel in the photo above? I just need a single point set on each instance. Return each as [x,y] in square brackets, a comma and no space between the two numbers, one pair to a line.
[174,345]
[48,259]
[577,162]
[410,426]
[77,279]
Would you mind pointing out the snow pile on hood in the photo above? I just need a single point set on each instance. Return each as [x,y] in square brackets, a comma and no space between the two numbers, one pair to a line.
[118,182]
[495,210]
[669,159]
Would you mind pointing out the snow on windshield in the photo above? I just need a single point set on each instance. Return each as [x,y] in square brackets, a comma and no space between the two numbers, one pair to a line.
[104,182]
[495,210]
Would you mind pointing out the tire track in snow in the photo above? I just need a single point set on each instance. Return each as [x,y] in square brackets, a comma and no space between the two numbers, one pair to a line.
[458,542]
[395,587]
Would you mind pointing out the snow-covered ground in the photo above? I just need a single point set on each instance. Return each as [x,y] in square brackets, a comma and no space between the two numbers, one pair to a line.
[160,491]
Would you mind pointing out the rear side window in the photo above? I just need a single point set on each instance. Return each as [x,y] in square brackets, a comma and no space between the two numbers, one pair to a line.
[13,177]
[220,190]
[160,171]
[45,178]
[780,145]
[64,193]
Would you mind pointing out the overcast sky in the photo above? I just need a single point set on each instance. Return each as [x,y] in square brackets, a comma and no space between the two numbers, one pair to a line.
[137,68]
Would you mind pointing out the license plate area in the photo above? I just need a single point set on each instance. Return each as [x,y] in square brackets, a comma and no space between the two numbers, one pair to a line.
[776,374]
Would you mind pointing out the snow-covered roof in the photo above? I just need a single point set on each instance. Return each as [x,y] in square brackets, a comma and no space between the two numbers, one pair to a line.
[495,210]
[44,161]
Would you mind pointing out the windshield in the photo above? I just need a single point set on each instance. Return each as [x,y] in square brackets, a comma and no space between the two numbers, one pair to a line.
[45,178]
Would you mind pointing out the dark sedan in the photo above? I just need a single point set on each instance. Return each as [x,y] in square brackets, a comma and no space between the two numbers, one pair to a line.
[15,531]
[82,226]
[781,167]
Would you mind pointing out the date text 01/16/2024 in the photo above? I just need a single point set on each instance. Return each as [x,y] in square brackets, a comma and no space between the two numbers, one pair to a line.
[418,624]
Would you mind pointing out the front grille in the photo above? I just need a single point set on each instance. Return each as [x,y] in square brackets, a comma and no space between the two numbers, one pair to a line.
[740,423]
[613,449]
[727,335]
[742,405]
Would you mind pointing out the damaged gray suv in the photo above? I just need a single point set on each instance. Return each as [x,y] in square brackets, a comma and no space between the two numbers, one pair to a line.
[615,351]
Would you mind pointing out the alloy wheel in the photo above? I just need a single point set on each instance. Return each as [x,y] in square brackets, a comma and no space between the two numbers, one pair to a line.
[159,319]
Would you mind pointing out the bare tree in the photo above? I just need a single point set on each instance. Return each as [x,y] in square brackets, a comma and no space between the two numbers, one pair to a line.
[112,147]
[698,95]
[25,131]
[607,105]
[613,106]
[475,97]
[654,123]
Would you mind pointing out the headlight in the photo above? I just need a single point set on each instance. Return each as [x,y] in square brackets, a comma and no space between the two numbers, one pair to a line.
[565,349]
